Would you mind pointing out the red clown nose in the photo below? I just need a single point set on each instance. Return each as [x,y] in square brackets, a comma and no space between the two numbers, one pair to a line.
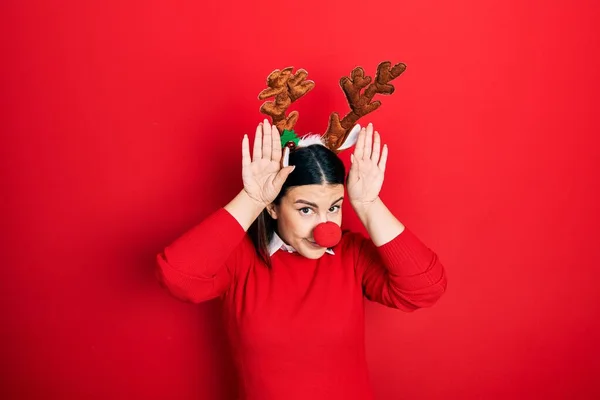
[327,234]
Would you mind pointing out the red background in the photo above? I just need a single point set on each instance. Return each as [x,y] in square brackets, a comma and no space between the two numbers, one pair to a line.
[121,127]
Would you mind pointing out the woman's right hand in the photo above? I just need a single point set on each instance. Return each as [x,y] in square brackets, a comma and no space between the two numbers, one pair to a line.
[262,173]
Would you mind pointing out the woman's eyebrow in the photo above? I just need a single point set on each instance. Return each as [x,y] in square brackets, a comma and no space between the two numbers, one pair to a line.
[338,200]
[300,201]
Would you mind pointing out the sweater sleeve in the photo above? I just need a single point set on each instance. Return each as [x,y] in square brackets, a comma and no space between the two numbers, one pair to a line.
[200,264]
[403,273]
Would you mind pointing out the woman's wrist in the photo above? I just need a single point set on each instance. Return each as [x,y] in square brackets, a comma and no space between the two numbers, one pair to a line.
[382,226]
[244,209]
[362,209]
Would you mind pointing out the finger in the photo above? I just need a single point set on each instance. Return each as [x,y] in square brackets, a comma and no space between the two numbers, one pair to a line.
[266,124]
[352,174]
[368,142]
[353,163]
[360,145]
[286,157]
[276,154]
[257,150]
[267,143]
[245,151]
[282,176]
[376,147]
[384,156]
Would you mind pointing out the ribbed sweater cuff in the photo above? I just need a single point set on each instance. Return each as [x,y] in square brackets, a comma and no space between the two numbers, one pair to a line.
[218,235]
[406,255]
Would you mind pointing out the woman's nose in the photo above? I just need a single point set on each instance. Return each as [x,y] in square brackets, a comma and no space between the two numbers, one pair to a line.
[324,217]
[327,234]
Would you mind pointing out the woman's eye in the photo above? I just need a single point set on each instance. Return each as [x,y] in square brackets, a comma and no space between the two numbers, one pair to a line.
[305,210]
[334,209]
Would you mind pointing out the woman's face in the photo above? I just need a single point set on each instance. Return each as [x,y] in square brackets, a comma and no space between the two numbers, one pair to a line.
[301,210]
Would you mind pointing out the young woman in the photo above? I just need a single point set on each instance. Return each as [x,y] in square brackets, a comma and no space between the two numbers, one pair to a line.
[294,308]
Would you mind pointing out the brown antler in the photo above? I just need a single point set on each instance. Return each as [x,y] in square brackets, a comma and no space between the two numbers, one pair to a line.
[361,105]
[287,88]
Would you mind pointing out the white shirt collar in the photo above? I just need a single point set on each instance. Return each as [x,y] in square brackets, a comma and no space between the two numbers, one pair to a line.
[278,244]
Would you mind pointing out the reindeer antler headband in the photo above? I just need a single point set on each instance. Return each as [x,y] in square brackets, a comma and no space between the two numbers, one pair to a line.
[287,87]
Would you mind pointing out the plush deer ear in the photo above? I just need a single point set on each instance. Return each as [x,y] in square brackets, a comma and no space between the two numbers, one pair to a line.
[310,139]
[351,139]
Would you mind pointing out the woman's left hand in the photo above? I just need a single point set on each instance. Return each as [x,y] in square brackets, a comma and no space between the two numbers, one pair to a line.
[368,168]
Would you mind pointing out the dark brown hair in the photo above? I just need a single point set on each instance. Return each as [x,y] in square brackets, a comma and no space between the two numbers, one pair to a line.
[315,165]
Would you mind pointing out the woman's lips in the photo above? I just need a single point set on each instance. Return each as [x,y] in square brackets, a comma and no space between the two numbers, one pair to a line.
[313,243]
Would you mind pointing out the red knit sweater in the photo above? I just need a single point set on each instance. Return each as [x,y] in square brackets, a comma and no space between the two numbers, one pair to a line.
[297,328]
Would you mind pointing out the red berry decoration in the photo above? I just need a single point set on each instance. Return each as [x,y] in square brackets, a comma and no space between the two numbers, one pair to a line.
[327,234]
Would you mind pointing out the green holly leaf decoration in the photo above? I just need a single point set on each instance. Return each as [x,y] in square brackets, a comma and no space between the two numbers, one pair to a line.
[289,136]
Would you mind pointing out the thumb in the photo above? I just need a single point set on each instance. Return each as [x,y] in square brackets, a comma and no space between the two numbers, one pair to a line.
[353,166]
[282,176]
